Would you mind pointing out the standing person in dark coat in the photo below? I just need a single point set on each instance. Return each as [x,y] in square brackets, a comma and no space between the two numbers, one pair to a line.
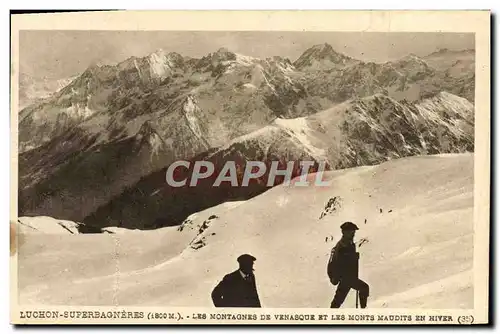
[343,268]
[238,289]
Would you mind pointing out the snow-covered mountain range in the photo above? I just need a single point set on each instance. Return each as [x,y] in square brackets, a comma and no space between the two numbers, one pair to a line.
[97,149]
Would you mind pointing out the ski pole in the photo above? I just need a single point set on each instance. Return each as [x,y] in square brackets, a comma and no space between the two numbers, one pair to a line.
[357,273]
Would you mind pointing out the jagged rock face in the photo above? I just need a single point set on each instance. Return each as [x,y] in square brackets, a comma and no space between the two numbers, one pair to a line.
[113,126]
[372,130]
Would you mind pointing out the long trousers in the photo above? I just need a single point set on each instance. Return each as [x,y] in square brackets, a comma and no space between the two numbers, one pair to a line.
[343,289]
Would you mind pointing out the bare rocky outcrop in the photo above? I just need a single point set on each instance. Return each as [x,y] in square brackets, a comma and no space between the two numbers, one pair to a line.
[334,205]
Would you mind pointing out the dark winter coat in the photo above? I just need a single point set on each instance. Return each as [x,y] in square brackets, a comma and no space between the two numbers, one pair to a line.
[235,291]
[343,263]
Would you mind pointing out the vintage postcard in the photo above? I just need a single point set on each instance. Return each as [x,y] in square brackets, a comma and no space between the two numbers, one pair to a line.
[250,167]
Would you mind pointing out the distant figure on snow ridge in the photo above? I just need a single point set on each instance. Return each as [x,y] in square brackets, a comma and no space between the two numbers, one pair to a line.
[343,268]
[238,289]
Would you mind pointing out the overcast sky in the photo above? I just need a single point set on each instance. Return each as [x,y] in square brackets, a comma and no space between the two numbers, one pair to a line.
[61,54]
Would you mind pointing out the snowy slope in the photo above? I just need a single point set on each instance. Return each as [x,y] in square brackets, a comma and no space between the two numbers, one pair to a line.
[418,253]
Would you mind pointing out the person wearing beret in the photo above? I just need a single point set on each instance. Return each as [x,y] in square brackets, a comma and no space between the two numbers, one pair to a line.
[238,289]
[343,268]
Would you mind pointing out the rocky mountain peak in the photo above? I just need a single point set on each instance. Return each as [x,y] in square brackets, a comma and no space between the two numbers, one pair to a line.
[159,52]
[91,70]
[212,60]
[320,53]
[223,54]
[175,56]
[325,47]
